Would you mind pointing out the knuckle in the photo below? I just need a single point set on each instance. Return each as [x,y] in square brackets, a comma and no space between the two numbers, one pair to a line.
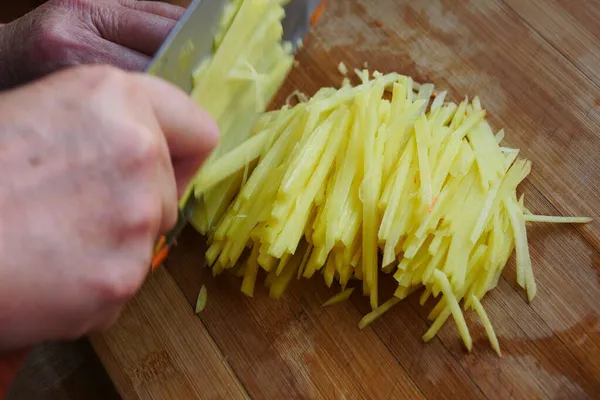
[149,148]
[51,41]
[143,216]
[119,284]
[137,146]
[124,289]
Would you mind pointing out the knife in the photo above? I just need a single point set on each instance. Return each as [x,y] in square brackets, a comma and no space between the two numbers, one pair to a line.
[191,42]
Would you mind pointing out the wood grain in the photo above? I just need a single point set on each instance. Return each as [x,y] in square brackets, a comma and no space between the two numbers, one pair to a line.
[306,350]
[165,350]
[535,66]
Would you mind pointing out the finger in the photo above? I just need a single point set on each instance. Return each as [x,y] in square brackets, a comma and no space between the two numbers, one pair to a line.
[157,8]
[106,52]
[168,189]
[191,133]
[185,170]
[156,186]
[189,129]
[137,30]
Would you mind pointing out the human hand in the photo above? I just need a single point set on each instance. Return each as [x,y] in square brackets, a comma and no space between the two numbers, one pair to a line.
[92,160]
[61,33]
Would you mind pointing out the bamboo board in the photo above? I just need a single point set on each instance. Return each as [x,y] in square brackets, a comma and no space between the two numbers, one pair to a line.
[536,66]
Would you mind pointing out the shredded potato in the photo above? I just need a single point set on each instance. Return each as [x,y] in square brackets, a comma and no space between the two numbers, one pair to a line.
[557,220]
[347,175]
[250,39]
[354,185]
[342,68]
[202,299]
[338,298]
[486,324]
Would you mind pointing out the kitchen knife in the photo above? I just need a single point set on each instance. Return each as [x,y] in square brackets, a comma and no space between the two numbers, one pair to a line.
[191,42]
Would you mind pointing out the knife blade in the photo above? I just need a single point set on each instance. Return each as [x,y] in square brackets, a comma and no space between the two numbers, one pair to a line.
[190,43]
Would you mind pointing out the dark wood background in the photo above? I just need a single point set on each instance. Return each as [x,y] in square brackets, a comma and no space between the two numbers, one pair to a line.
[14,9]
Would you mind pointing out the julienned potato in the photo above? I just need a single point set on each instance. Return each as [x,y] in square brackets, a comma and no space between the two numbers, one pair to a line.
[359,183]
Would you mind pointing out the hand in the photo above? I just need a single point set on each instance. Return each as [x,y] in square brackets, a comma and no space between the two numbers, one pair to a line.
[60,33]
[93,160]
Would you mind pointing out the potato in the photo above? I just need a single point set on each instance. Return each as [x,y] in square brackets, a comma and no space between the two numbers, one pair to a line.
[354,185]
[249,39]
[350,184]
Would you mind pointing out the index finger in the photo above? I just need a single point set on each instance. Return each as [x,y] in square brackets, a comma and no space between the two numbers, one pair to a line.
[166,10]
[191,133]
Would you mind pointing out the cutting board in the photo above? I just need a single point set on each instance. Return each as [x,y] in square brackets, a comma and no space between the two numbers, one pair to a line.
[536,66]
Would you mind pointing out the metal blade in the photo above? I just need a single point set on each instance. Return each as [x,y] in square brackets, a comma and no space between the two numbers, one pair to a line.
[189,43]
[296,23]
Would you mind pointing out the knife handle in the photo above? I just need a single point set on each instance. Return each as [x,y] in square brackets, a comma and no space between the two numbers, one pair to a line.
[316,15]
[165,242]
[161,251]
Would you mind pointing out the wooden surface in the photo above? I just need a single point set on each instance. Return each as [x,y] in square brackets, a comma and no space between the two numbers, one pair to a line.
[536,66]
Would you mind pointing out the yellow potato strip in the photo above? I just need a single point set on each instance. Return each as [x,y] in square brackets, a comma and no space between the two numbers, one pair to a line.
[341,179]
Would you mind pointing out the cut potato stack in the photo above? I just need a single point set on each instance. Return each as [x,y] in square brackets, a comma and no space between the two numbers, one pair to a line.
[357,187]
[249,38]
[383,180]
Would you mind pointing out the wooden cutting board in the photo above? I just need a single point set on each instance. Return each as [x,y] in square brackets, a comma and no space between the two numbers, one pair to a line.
[536,66]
